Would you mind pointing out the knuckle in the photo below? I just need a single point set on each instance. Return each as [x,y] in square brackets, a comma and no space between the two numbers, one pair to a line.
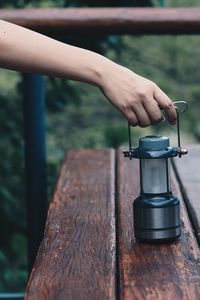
[154,85]
[168,105]
[141,94]
[128,105]
[158,118]
[124,107]
[133,121]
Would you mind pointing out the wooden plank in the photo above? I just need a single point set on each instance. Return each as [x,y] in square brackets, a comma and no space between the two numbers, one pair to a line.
[76,259]
[167,271]
[106,21]
[188,171]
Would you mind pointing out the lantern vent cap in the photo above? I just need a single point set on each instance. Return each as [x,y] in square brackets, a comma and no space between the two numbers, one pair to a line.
[153,143]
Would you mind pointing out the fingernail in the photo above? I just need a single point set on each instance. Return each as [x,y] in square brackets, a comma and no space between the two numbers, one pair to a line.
[173,122]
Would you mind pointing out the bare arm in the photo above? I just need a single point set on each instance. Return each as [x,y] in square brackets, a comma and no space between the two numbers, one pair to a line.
[137,98]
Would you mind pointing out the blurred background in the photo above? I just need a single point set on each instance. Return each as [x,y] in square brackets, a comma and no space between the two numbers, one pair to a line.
[77,115]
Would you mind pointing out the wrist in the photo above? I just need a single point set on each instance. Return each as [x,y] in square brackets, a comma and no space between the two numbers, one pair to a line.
[103,69]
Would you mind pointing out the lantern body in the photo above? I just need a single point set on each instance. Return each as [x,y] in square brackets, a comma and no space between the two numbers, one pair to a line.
[156,210]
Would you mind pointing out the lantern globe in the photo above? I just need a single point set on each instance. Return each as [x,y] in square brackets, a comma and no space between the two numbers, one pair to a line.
[154,171]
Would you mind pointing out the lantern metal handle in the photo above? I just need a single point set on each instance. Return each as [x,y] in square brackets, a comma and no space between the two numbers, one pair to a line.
[183,107]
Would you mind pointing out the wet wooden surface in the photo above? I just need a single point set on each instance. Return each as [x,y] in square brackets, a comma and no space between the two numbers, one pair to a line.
[106,21]
[188,171]
[76,259]
[168,271]
[89,250]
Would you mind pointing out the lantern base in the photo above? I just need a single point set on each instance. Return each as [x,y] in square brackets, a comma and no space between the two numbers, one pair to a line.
[158,237]
[156,218]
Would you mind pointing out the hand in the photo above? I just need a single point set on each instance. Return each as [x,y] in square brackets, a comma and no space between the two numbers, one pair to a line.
[138,98]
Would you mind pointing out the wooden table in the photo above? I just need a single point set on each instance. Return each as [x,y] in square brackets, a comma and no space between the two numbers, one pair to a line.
[89,250]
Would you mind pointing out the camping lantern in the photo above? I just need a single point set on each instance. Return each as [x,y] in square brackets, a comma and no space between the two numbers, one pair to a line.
[156,210]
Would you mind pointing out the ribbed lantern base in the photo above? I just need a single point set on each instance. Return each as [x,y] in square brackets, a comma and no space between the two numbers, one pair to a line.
[156,218]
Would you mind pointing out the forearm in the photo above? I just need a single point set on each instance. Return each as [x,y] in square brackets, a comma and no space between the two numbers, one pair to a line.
[137,98]
[24,50]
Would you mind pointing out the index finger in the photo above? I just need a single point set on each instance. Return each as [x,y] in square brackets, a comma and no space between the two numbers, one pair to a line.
[165,103]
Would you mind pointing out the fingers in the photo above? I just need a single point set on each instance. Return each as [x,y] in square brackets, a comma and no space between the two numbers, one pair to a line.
[138,98]
[130,115]
[147,107]
[138,116]
[142,116]
[147,112]
[165,103]
[153,111]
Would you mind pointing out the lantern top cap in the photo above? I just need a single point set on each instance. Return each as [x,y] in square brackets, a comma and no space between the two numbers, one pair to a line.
[153,142]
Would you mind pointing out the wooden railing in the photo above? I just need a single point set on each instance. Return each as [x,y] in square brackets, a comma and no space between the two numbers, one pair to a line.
[107,20]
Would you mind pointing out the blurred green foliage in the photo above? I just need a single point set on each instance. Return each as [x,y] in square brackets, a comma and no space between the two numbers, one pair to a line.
[79,116]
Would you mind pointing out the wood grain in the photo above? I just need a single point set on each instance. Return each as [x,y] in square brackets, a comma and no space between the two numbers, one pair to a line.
[168,271]
[188,171]
[106,21]
[76,259]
